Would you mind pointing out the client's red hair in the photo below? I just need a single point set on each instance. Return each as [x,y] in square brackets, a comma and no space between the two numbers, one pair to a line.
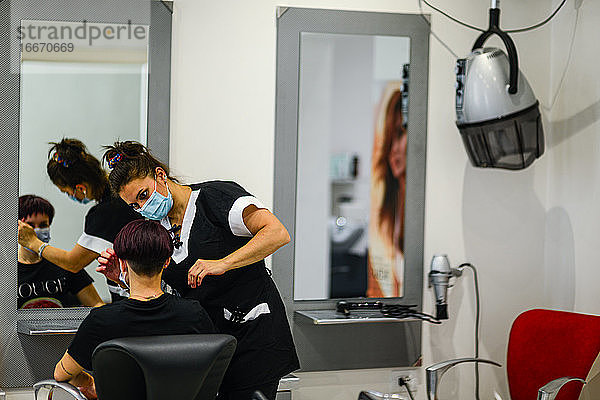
[145,245]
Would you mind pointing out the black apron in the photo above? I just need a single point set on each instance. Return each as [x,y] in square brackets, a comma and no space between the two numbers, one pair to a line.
[243,302]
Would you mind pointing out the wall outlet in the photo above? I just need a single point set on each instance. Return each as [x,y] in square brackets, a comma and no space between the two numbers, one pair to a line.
[410,376]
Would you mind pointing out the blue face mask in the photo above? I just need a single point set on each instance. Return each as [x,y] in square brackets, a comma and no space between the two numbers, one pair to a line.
[85,200]
[157,206]
[43,234]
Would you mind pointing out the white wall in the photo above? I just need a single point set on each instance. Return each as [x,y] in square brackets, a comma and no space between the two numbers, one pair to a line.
[223,102]
[573,151]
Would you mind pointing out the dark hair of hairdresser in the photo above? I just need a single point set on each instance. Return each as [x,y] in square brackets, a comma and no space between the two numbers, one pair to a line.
[145,245]
[31,204]
[393,130]
[128,161]
[70,164]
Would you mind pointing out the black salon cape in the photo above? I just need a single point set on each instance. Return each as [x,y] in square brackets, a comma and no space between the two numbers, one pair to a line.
[265,350]
[102,224]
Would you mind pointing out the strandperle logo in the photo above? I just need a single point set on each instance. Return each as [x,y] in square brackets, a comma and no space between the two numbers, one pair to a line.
[31,32]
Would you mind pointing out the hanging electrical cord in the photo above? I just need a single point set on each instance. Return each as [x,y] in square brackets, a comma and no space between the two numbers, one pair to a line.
[387,310]
[539,24]
[403,382]
[445,14]
[567,64]
[477,315]
[447,47]
[518,30]
[403,311]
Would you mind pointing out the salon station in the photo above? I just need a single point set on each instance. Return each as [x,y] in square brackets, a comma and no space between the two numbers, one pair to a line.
[308,200]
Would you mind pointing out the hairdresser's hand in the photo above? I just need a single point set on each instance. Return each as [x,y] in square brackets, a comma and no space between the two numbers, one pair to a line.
[27,237]
[109,265]
[201,268]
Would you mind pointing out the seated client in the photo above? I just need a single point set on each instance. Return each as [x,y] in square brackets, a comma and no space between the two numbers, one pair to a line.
[144,248]
[42,284]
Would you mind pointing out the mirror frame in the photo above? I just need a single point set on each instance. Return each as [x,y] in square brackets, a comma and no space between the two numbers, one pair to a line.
[319,348]
[23,362]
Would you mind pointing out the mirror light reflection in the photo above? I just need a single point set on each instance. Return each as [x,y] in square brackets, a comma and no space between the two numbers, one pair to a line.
[352,142]
[96,93]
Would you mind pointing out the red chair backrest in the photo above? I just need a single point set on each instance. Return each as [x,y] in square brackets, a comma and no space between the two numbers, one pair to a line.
[545,345]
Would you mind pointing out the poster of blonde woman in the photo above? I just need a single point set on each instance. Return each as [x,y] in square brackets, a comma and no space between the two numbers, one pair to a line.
[388,194]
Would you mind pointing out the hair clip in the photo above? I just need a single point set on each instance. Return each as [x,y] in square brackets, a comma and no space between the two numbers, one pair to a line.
[177,243]
[114,160]
[176,237]
[56,157]
[175,228]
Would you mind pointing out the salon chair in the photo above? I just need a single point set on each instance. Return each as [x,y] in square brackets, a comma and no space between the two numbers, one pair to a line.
[546,350]
[182,367]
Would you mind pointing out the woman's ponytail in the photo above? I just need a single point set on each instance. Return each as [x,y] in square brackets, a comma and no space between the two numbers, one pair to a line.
[70,164]
[130,160]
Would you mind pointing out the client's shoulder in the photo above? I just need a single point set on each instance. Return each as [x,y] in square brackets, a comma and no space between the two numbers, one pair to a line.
[107,309]
[100,317]
[190,308]
[182,302]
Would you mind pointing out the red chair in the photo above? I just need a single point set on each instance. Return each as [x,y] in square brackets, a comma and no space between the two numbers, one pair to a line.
[546,350]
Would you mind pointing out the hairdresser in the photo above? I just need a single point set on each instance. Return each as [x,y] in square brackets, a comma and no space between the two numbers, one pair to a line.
[222,235]
[77,173]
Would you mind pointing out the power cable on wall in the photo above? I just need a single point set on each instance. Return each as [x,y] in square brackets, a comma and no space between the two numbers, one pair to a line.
[446,46]
[445,14]
[477,322]
[539,24]
[517,30]
[568,63]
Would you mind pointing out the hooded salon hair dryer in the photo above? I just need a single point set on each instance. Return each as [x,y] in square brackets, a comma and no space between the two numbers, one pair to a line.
[497,112]
[439,278]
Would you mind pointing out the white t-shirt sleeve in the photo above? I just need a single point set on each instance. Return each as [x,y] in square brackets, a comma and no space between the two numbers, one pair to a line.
[236,220]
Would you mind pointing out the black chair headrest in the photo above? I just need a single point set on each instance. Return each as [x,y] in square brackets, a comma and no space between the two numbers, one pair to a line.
[161,367]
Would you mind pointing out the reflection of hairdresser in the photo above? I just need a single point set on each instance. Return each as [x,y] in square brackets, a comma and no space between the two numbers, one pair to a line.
[225,234]
[42,284]
[144,249]
[386,259]
[79,174]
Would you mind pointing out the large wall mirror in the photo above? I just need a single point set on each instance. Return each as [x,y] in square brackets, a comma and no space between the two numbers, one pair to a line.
[95,92]
[350,146]
[351,181]
[89,71]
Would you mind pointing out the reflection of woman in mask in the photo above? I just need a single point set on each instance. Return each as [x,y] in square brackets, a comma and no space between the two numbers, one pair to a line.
[386,230]
[77,173]
[42,284]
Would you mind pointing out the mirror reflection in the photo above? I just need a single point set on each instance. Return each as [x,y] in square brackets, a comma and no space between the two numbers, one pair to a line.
[352,150]
[74,100]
